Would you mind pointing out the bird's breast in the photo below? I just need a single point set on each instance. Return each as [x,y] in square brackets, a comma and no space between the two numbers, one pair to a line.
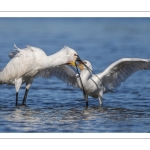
[92,87]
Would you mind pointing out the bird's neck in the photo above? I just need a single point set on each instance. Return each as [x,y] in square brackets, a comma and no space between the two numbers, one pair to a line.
[56,59]
[85,74]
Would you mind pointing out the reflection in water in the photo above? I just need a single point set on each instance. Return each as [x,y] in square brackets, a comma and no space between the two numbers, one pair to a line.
[74,119]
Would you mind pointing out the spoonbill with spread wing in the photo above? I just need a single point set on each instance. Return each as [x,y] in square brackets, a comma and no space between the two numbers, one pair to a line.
[95,85]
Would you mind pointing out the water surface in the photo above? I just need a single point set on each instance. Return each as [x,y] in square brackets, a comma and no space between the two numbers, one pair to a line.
[52,106]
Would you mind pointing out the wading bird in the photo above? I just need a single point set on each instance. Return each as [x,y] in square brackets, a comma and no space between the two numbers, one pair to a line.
[95,85]
[31,62]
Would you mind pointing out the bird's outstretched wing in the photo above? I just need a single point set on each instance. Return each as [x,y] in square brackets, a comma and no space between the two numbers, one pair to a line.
[120,70]
[62,72]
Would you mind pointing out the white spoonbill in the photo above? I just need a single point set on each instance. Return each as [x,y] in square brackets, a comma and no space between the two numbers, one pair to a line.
[29,62]
[95,85]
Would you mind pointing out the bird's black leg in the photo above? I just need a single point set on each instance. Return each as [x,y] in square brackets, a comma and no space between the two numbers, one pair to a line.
[87,104]
[16,98]
[25,97]
[86,99]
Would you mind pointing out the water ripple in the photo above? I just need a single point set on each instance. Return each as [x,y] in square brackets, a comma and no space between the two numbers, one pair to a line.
[52,106]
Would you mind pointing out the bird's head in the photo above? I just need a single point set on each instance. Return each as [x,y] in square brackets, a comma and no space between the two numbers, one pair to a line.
[84,65]
[72,56]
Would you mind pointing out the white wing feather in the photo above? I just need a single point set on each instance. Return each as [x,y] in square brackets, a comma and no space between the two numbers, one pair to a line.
[21,64]
[62,72]
[120,70]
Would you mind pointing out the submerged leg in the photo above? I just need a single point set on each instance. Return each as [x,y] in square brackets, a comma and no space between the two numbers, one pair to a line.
[16,98]
[100,100]
[100,95]
[28,84]
[18,83]
[25,97]
[86,99]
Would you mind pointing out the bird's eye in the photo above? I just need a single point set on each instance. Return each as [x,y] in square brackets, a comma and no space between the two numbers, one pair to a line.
[75,54]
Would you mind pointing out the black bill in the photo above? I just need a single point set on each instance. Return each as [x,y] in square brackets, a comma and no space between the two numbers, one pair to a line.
[84,93]
[80,61]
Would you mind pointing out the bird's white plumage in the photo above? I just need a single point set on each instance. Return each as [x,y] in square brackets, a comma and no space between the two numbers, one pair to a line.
[120,70]
[110,78]
[62,72]
[67,74]
[20,64]
[30,62]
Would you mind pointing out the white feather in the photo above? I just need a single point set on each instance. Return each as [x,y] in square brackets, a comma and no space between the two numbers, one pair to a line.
[62,72]
[120,70]
[31,62]
[111,77]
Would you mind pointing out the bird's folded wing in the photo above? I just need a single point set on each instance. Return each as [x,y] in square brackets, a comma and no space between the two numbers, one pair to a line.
[62,72]
[120,70]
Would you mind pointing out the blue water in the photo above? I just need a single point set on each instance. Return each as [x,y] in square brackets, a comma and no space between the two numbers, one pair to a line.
[52,106]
